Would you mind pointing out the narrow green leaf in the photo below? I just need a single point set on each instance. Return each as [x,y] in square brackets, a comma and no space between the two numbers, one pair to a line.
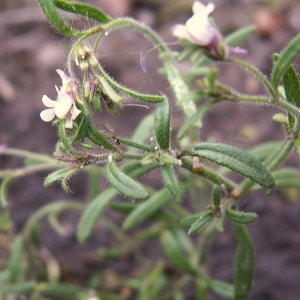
[240,216]
[263,151]
[216,196]
[187,222]
[287,56]
[176,254]
[21,288]
[196,118]
[125,184]
[5,184]
[136,169]
[144,129]
[146,209]
[99,138]
[15,260]
[83,9]
[287,178]
[297,145]
[236,159]
[92,213]
[243,273]
[62,175]
[239,36]
[153,283]
[146,98]
[62,290]
[222,288]
[202,290]
[55,18]
[162,124]
[179,87]
[291,84]
[124,207]
[201,222]
[171,181]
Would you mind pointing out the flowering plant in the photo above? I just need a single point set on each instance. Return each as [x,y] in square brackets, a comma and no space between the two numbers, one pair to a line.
[188,166]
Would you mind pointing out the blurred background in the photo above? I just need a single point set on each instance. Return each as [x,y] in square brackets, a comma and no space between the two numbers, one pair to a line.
[30,52]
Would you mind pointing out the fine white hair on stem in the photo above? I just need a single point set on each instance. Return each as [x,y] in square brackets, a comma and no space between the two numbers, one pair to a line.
[137,105]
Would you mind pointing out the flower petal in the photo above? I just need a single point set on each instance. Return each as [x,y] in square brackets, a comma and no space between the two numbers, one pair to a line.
[75,112]
[200,29]
[199,7]
[63,107]
[48,102]
[47,115]
[181,32]
[67,81]
[69,123]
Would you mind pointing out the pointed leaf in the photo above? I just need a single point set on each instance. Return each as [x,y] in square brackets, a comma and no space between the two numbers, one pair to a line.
[146,209]
[291,84]
[62,290]
[287,178]
[187,222]
[263,151]
[236,159]
[171,181]
[125,184]
[240,216]
[15,260]
[243,273]
[176,254]
[162,124]
[83,9]
[92,213]
[287,56]
[143,131]
[63,175]
[239,36]
[55,18]
[222,288]
[21,288]
[201,222]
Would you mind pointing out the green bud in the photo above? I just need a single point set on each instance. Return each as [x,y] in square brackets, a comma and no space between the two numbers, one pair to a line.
[281,118]
[84,57]
[109,91]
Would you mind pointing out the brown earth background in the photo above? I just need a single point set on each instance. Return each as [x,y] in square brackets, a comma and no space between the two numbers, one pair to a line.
[30,52]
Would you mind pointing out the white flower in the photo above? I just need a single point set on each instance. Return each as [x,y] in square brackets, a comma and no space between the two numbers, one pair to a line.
[64,107]
[198,29]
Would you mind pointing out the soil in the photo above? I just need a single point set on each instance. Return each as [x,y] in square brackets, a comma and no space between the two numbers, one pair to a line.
[30,52]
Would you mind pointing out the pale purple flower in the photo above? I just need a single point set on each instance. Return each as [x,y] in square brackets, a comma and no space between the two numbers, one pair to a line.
[198,29]
[64,107]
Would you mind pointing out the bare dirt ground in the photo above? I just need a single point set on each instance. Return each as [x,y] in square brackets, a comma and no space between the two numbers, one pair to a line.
[30,52]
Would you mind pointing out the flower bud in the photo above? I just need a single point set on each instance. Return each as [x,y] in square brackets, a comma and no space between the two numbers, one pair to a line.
[84,57]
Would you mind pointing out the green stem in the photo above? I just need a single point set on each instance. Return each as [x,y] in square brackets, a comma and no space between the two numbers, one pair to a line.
[55,207]
[136,145]
[211,175]
[234,96]
[26,154]
[257,73]
[175,79]
[28,170]
[148,98]
[133,156]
